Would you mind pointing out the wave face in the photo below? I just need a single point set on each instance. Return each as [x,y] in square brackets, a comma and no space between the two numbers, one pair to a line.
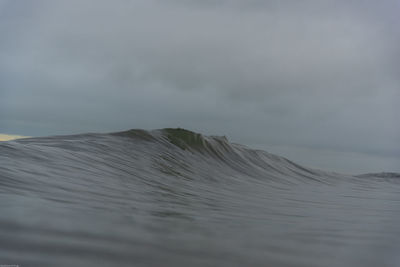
[172,197]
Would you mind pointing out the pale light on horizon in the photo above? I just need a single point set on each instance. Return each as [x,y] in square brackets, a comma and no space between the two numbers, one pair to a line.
[8,137]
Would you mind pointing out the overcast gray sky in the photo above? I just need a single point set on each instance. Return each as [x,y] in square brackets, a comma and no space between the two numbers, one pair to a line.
[316,81]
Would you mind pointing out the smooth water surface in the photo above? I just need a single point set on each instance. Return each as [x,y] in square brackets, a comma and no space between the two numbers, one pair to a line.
[176,198]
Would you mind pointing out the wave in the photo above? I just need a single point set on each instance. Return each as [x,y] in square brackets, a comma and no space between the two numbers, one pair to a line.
[173,197]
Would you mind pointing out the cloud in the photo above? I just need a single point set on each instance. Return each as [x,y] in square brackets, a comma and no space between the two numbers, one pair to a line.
[318,74]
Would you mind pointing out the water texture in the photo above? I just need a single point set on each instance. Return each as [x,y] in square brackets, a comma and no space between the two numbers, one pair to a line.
[172,197]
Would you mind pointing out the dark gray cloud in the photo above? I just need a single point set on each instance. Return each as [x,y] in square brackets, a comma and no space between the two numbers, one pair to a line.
[287,76]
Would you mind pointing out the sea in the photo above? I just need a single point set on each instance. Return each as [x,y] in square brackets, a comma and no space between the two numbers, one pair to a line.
[173,197]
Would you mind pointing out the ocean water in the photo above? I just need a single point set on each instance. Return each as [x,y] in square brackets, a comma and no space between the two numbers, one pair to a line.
[172,197]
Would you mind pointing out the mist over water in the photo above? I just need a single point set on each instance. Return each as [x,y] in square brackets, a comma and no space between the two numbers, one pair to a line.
[172,197]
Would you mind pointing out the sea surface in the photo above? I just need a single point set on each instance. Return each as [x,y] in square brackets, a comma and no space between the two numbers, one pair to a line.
[172,197]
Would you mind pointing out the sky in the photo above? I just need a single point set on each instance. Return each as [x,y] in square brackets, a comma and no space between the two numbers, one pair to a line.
[315,81]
